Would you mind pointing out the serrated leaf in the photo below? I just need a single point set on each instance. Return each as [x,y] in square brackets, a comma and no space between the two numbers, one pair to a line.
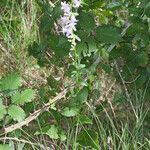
[86,21]
[53,132]
[59,45]
[10,82]
[5,147]
[82,34]
[139,59]
[16,112]
[88,138]
[23,97]
[108,34]
[70,112]
[137,28]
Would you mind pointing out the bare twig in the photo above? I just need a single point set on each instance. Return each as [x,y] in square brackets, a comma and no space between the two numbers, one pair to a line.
[34,115]
[23,141]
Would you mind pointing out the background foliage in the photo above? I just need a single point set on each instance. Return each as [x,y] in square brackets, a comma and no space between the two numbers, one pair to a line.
[107,77]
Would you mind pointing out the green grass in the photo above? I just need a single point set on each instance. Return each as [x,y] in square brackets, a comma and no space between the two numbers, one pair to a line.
[128,130]
[18,27]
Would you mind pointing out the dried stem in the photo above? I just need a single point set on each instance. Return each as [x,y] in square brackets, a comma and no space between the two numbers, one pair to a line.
[34,115]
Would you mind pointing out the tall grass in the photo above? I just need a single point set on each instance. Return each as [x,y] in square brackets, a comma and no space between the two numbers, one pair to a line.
[18,29]
[18,26]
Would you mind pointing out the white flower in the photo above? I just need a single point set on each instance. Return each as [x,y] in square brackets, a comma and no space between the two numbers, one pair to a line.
[67,31]
[73,20]
[68,21]
[72,23]
[76,3]
[63,21]
[65,7]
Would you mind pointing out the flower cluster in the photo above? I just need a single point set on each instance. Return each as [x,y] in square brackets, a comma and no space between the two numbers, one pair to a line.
[68,21]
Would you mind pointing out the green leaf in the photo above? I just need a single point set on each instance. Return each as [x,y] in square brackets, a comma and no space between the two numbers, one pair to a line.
[137,28]
[5,147]
[43,130]
[3,3]
[82,34]
[114,5]
[46,24]
[141,80]
[59,45]
[108,34]
[148,69]
[10,82]
[57,11]
[82,48]
[88,138]
[16,112]
[53,132]
[63,136]
[70,112]
[139,59]
[104,54]
[37,50]
[142,59]
[54,84]
[84,120]
[92,47]
[56,115]
[86,21]
[105,67]
[23,97]
[82,95]
[145,3]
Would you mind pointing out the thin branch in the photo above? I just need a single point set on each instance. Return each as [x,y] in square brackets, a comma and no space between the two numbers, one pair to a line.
[23,141]
[34,115]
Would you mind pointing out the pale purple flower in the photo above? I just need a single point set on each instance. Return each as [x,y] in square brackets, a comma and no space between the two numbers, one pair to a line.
[68,21]
[73,20]
[64,20]
[72,23]
[67,31]
[76,3]
[65,7]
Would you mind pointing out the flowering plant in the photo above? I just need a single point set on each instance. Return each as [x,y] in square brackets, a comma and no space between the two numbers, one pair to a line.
[84,94]
[68,21]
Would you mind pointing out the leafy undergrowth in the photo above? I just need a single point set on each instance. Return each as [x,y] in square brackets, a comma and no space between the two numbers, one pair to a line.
[93,95]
